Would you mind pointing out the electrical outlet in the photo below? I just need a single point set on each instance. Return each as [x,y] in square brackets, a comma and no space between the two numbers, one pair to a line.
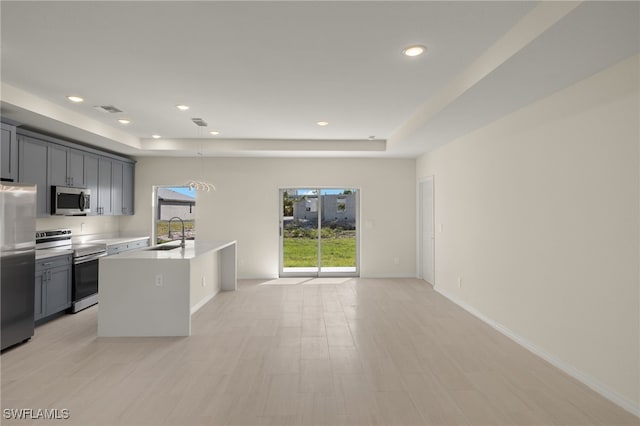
[459,282]
[159,280]
[204,283]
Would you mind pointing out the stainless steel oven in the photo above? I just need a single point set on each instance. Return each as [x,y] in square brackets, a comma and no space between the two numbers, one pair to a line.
[85,281]
[70,201]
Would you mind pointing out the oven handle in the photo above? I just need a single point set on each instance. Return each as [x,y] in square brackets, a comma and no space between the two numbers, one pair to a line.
[89,258]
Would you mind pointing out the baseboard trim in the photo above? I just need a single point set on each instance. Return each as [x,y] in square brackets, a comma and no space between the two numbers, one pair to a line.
[258,277]
[203,302]
[403,275]
[585,379]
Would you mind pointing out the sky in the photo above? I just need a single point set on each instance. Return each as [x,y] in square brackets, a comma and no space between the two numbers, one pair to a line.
[184,190]
[325,191]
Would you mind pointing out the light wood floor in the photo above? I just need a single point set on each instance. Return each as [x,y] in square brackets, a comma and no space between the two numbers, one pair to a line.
[352,352]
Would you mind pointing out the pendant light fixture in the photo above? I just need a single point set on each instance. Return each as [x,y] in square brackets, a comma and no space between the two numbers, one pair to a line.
[200,185]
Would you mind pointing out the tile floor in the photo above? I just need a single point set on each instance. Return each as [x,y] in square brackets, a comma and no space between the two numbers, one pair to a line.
[297,352]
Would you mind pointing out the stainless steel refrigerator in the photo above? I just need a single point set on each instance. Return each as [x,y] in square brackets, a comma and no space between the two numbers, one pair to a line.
[17,262]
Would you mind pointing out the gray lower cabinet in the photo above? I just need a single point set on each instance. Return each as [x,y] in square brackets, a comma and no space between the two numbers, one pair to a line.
[53,286]
[122,247]
[32,169]
[9,154]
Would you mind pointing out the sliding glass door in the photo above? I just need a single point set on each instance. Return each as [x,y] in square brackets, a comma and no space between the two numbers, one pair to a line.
[319,232]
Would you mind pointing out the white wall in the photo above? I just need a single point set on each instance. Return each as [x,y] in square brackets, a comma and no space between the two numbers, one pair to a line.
[540,218]
[245,205]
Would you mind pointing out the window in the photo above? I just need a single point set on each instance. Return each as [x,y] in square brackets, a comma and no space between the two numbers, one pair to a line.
[171,202]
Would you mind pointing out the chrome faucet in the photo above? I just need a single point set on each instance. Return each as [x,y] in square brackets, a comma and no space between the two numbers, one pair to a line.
[182,222]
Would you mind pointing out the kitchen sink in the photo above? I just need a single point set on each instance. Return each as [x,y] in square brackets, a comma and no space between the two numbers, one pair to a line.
[163,248]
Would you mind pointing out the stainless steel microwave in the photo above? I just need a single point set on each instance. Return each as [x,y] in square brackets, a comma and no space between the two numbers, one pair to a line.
[70,201]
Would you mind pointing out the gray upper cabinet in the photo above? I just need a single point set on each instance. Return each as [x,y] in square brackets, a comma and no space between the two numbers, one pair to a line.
[51,162]
[57,159]
[32,168]
[91,181]
[75,168]
[66,166]
[127,189]
[104,186]
[9,154]
[116,187]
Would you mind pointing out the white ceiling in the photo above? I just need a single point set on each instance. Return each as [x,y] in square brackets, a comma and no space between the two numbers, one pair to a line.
[263,73]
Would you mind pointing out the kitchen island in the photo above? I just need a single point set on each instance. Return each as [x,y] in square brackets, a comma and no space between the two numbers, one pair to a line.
[154,292]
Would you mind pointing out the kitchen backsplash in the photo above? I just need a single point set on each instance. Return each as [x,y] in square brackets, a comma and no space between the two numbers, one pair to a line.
[82,225]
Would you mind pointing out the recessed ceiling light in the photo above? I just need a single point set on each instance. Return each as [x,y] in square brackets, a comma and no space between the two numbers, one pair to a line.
[214,132]
[322,123]
[182,107]
[124,121]
[156,136]
[416,50]
[75,99]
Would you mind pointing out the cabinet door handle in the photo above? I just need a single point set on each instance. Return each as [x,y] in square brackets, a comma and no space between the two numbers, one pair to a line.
[47,263]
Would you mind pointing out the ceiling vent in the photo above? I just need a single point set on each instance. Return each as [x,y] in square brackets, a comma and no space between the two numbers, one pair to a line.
[108,108]
[199,122]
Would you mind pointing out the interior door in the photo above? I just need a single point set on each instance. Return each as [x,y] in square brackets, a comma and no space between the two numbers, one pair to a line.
[319,232]
[427,231]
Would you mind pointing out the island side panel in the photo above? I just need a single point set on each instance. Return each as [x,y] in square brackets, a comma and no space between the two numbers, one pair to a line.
[143,297]
[205,279]
[229,268]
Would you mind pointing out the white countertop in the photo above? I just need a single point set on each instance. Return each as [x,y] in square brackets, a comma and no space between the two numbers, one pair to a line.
[192,249]
[51,252]
[116,241]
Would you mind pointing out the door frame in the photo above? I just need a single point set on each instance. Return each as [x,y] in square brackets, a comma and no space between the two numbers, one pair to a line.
[319,272]
[421,225]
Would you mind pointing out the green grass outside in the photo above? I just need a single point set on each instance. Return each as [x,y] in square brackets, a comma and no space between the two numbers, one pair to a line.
[302,252]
